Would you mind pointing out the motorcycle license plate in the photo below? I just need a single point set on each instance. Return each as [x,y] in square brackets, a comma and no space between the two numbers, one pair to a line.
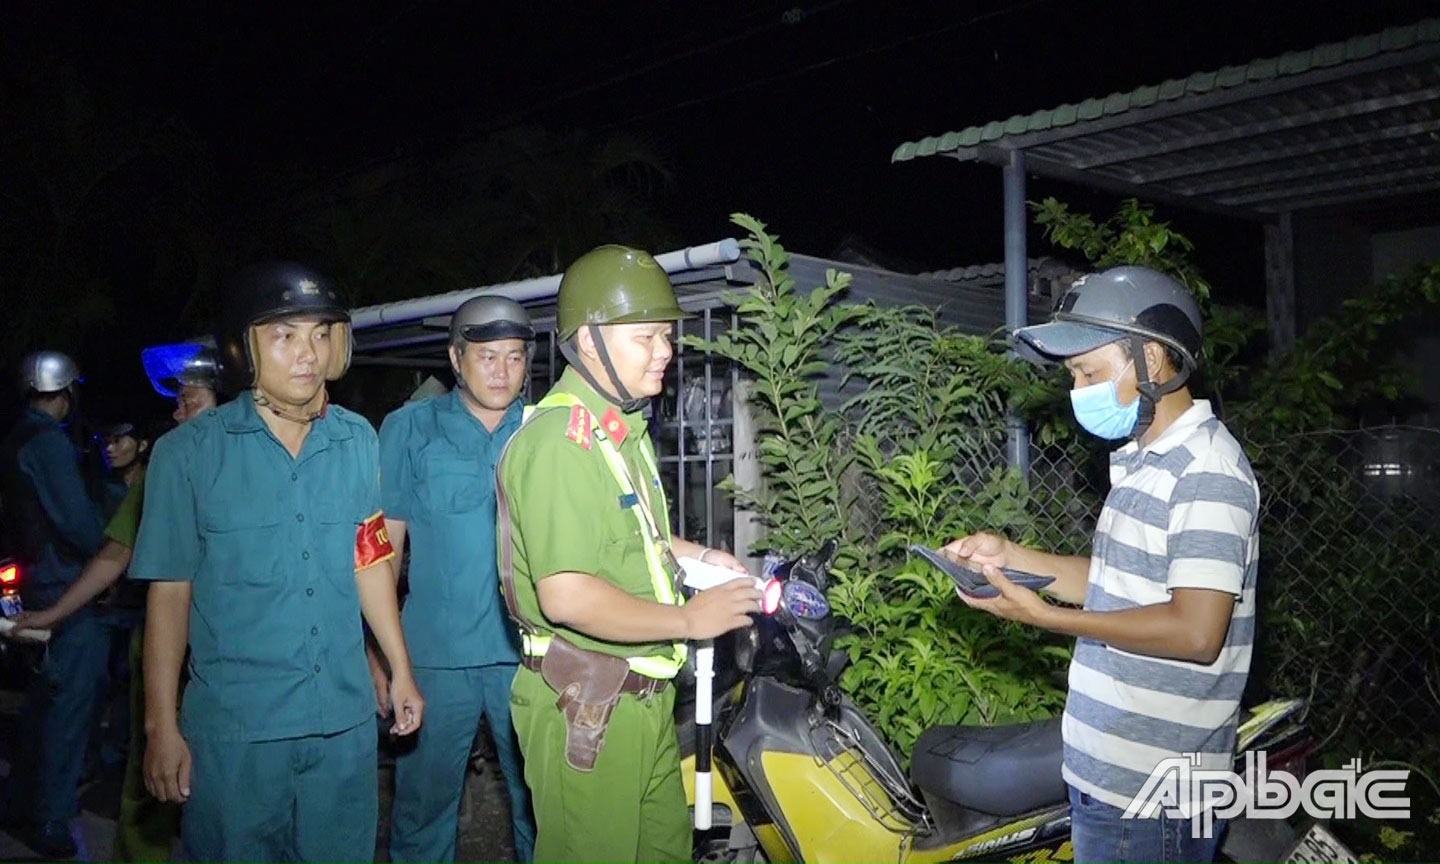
[1319,846]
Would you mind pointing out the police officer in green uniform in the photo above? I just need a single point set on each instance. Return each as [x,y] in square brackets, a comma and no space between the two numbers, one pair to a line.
[263,538]
[588,567]
[437,460]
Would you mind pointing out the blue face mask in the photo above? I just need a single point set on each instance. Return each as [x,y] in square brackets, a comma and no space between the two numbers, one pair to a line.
[1098,409]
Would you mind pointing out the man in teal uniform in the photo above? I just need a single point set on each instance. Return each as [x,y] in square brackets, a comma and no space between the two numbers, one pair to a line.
[145,828]
[263,536]
[54,526]
[588,565]
[437,459]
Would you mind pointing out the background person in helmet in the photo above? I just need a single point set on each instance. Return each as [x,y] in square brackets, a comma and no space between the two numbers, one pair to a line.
[53,526]
[145,828]
[437,479]
[195,385]
[1165,634]
[263,539]
[126,452]
[108,564]
[590,579]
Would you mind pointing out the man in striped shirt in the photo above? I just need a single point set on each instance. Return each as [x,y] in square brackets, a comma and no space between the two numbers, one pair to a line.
[1168,619]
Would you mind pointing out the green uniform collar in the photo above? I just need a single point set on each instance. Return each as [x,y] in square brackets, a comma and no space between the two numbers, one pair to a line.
[572,382]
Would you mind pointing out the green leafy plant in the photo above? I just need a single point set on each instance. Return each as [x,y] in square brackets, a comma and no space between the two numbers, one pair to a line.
[910,459]
[779,341]
[1131,236]
[918,656]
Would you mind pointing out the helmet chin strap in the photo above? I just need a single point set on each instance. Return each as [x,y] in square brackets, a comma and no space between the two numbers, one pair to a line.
[304,416]
[626,403]
[1151,392]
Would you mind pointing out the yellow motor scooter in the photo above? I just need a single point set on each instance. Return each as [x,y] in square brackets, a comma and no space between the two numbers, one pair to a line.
[800,774]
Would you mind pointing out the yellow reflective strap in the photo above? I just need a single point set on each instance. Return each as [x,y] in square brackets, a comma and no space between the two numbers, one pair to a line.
[660,577]
[535,645]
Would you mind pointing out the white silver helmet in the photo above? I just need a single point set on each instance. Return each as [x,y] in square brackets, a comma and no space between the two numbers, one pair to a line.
[488,318]
[48,372]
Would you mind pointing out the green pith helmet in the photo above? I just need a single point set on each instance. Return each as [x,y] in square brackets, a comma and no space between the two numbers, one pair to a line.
[615,285]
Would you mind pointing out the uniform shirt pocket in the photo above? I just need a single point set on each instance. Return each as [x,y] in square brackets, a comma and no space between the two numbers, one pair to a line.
[240,538]
[454,486]
[337,524]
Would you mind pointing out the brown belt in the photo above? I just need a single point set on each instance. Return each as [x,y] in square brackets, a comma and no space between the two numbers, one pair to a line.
[635,683]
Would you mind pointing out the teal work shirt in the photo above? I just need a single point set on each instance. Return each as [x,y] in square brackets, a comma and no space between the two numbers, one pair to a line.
[437,474]
[49,464]
[268,543]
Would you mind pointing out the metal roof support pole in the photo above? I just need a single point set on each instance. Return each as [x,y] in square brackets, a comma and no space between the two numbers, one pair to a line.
[1017,286]
[1280,284]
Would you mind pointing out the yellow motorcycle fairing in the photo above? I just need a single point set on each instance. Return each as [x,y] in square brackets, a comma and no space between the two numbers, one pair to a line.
[830,824]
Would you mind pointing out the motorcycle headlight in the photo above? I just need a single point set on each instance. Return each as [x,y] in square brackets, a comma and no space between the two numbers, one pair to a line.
[805,600]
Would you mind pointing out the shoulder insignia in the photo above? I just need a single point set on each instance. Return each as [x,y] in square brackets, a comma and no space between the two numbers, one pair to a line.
[614,426]
[579,428]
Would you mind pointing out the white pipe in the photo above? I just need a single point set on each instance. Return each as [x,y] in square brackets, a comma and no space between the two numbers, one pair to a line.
[690,258]
[704,700]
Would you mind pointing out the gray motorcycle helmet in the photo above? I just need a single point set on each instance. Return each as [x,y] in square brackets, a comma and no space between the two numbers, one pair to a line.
[48,372]
[488,318]
[1109,306]
[1128,302]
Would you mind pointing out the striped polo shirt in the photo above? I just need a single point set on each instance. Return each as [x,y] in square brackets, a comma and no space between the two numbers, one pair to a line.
[1181,513]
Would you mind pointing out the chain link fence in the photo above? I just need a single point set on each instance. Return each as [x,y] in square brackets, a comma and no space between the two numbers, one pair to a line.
[1350,560]
[1349,572]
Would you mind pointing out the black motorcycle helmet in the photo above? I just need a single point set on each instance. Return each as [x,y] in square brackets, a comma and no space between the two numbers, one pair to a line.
[267,292]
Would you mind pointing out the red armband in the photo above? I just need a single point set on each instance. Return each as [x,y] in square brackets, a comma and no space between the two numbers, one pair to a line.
[372,542]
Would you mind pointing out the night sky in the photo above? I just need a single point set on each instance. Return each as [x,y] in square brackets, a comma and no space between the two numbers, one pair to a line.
[788,111]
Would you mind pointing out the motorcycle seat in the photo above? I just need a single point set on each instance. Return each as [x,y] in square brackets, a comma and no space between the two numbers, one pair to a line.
[999,770]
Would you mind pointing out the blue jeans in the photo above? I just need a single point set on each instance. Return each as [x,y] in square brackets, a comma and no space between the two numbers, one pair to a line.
[1099,834]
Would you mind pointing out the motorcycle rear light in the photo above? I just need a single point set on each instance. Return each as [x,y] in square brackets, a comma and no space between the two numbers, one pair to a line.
[9,574]
[773,590]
